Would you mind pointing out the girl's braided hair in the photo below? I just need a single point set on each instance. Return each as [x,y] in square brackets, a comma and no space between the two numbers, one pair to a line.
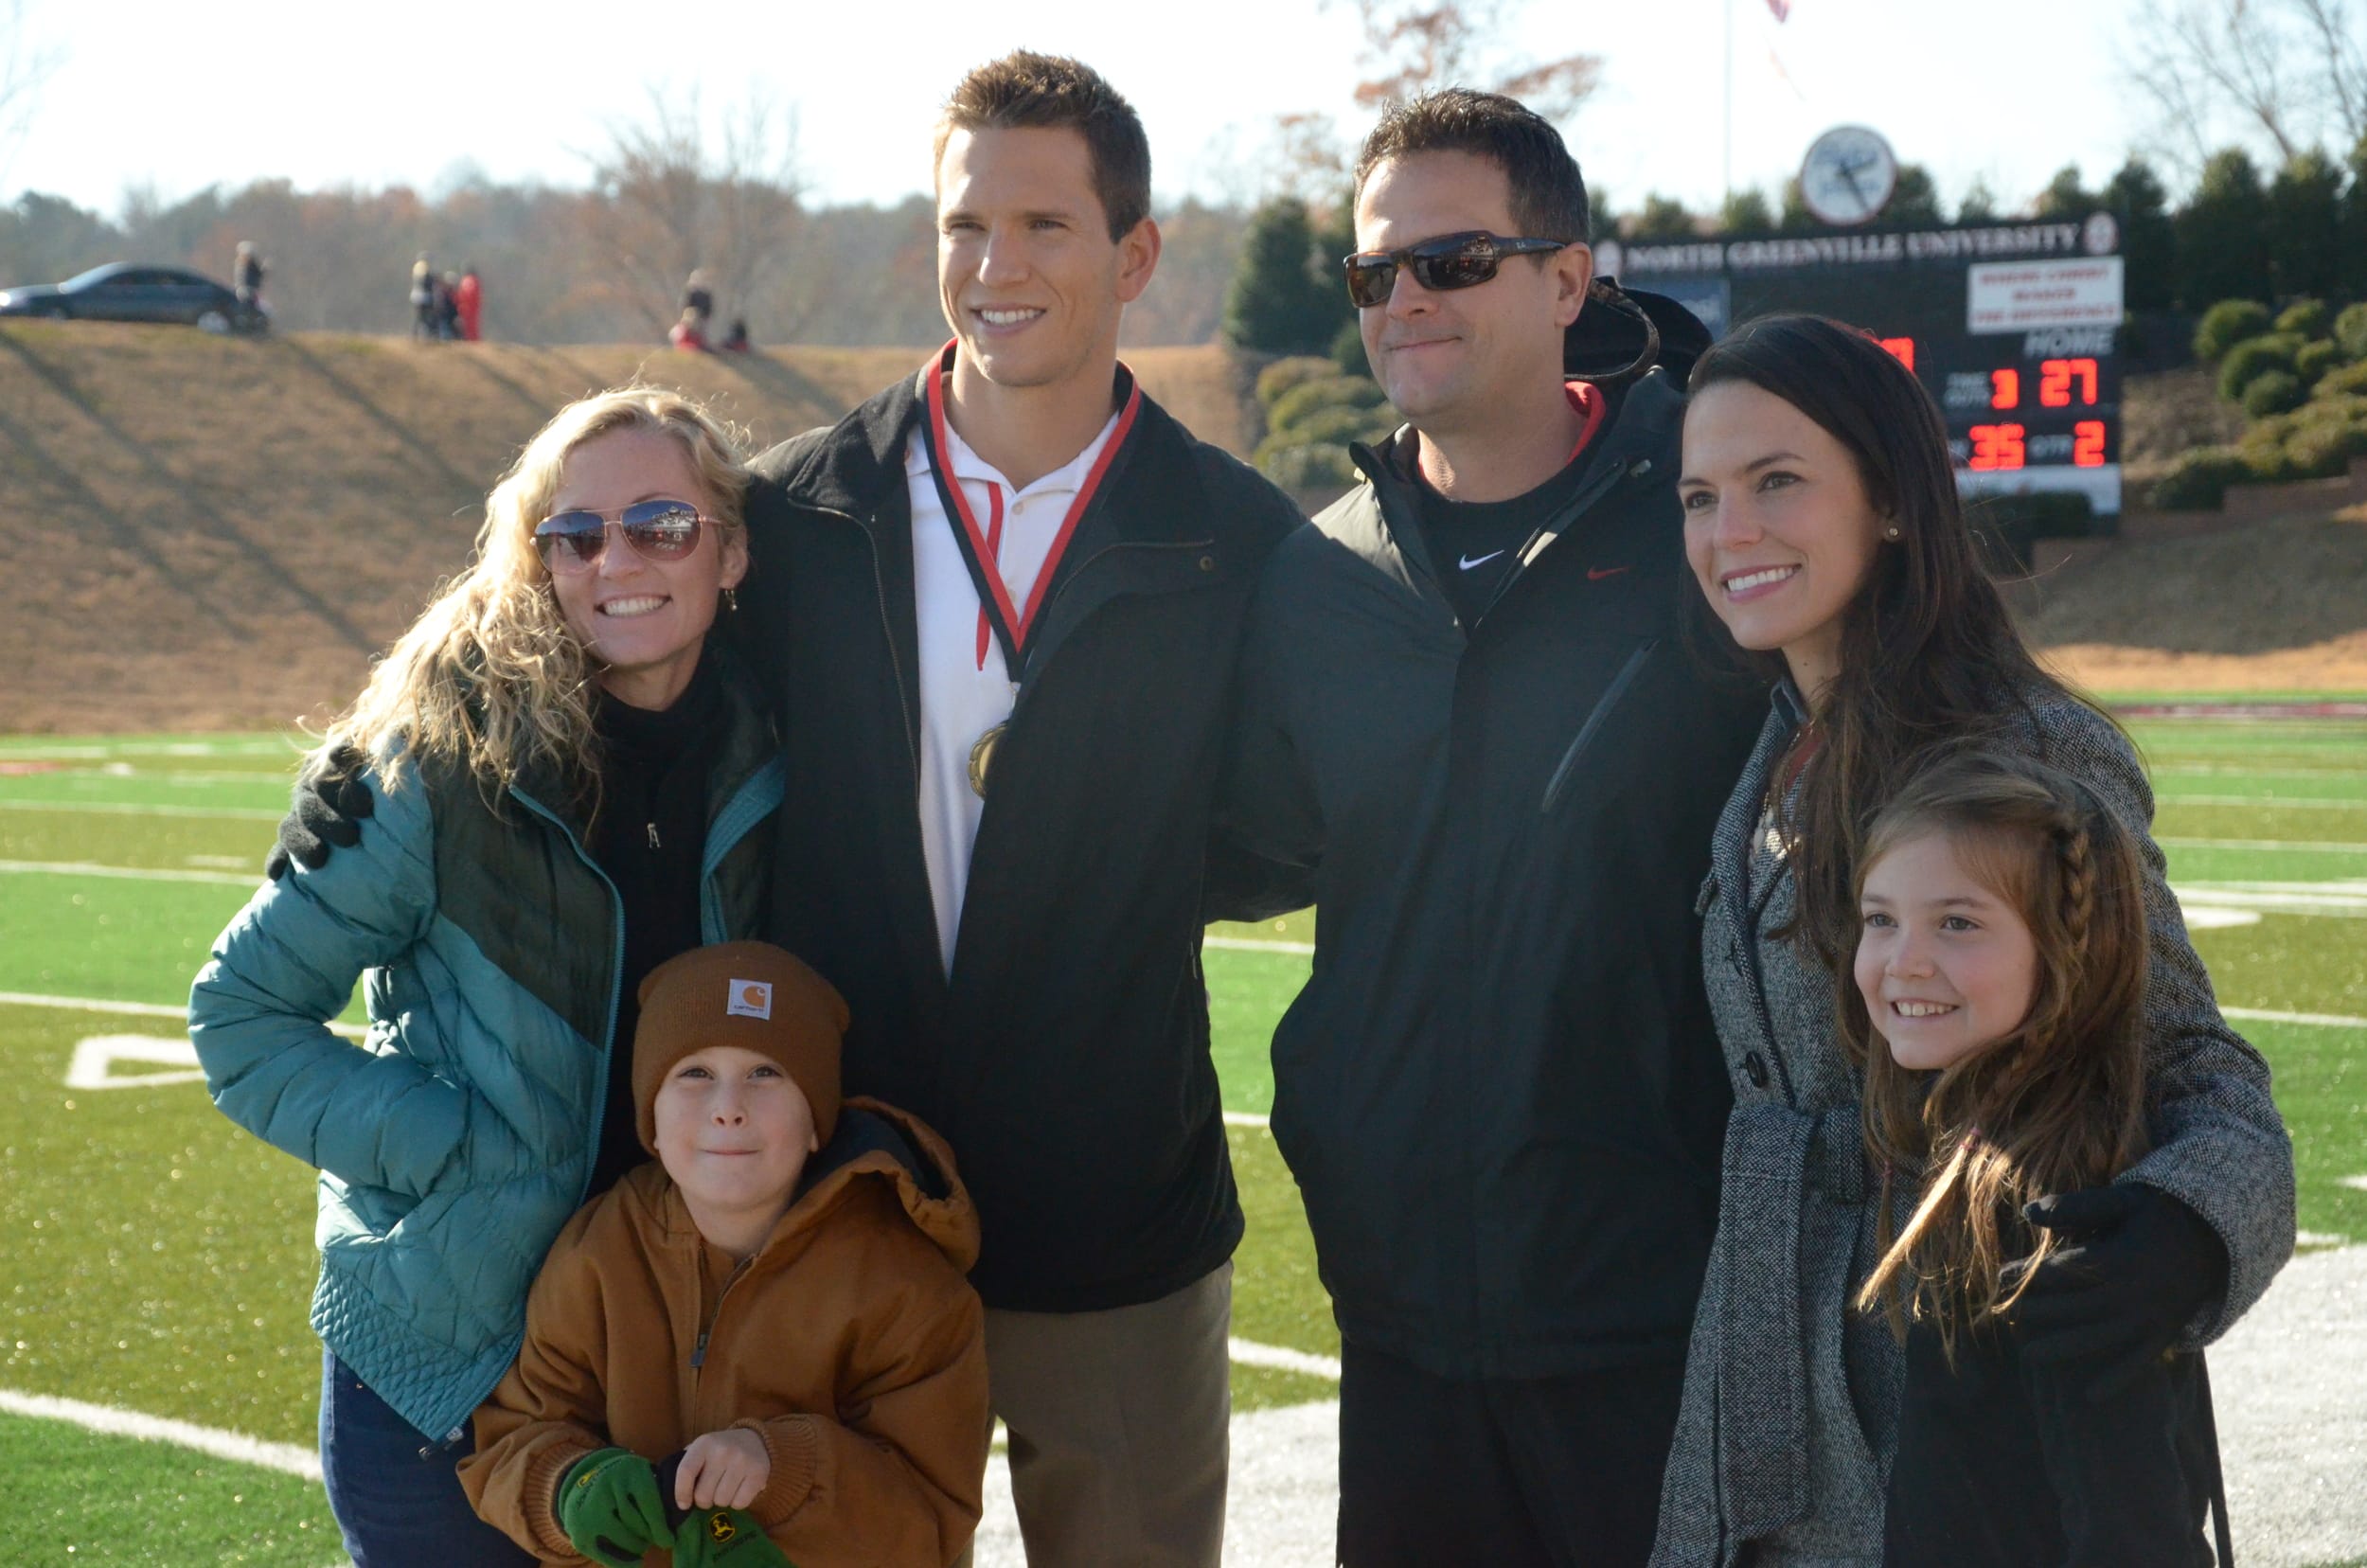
[2057,1104]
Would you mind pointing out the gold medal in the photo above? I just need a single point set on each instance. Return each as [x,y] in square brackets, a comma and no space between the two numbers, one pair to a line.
[982,758]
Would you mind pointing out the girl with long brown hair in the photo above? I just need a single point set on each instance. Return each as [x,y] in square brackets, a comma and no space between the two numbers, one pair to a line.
[1825,532]
[1996,1004]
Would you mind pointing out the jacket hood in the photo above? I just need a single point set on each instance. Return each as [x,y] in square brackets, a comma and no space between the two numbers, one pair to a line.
[1624,332]
[876,1145]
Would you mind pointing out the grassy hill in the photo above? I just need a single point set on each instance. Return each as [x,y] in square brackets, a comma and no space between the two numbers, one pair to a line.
[213,532]
[216,533]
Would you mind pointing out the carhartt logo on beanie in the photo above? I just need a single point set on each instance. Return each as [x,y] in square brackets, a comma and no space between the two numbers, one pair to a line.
[750,994]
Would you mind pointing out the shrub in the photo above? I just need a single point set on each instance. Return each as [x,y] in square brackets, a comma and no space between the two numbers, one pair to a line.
[1284,374]
[2227,324]
[2198,481]
[1289,412]
[2253,358]
[1347,349]
[2324,452]
[2273,392]
[2343,381]
[2314,360]
[2350,330]
[2307,318]
[1302,467]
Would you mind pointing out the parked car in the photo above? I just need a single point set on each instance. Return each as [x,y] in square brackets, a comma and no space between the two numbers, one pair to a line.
[133,291]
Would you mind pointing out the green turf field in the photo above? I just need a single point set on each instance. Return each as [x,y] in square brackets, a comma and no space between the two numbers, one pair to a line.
[160,1259]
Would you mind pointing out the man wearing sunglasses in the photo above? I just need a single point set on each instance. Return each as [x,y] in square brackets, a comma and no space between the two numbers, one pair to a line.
[1469,728]
[1000,604]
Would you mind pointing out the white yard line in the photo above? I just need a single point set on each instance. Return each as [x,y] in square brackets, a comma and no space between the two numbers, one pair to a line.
[125,807]
[2318,846]
[2265,802]
[1249,1353]
[130,1010]
[2328,1021]
[1257,944]
[1244,1118]
[287,1458]
[130,873]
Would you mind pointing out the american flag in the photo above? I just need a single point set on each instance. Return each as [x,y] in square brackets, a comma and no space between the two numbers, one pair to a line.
[1782,9]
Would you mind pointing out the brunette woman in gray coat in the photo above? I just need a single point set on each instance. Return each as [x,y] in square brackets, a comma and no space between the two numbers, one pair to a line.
[1822,525]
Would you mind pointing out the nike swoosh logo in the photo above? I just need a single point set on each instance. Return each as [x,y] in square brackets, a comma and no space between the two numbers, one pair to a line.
[1468,563]
[1596,574]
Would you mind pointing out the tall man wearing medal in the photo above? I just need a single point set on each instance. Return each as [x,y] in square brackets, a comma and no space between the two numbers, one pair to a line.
[999,607]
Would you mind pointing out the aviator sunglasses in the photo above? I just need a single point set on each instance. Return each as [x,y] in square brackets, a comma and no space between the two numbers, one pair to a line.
[1449,261]
[657,530]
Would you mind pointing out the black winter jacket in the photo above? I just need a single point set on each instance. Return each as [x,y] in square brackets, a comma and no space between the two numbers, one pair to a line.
[1066,1060]
[1501,1092]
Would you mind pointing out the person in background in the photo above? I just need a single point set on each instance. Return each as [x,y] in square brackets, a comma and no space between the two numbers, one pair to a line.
[735,341]
[468,298]
[1998,978]
[698,301]
[1823,528]
[689,334]
[805,1255]
[247,274]
[422,299]
[562,786]
[448,308]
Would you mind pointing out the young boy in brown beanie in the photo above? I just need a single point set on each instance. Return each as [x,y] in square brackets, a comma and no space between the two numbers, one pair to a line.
[762,1346]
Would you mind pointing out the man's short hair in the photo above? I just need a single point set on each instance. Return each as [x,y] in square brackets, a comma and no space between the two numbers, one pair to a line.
[1548,193]
[1028,91]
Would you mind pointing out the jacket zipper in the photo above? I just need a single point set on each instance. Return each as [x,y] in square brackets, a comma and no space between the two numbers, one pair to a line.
[1576,508]
[887,626]
[699,1351]
[1603,705]
[616,988]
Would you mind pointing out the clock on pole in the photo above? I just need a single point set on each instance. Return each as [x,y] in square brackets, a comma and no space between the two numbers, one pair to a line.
[1848,177]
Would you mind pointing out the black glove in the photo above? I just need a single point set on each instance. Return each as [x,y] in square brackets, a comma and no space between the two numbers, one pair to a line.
[331,803]
[2136,1269]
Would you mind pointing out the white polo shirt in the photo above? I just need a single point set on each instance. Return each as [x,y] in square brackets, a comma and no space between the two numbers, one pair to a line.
[963,696]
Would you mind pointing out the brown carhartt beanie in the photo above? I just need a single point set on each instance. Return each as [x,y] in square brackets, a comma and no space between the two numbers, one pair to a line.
[750,994]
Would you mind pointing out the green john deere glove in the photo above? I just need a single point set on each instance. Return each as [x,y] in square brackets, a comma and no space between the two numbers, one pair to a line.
[725,1537]
[609,1509]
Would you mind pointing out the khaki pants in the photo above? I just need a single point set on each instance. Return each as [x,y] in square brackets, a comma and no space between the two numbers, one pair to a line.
[1118,1428]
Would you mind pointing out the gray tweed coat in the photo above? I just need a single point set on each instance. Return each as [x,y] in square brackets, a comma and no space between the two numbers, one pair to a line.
[1791,1397]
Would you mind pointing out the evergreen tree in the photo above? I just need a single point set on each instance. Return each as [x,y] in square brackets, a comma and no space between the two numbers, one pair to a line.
[2223,235]
[2355,226]
[2305,226]
[1980,203]
[2065,197]
[1916,202]
[2148,241]
[1744,213]
[1663,220]
[1277,304]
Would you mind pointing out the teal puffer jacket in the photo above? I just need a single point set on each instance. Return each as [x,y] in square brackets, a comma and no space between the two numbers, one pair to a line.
[455,1141]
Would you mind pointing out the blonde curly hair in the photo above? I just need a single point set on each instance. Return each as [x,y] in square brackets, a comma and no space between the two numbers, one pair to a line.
[490,676]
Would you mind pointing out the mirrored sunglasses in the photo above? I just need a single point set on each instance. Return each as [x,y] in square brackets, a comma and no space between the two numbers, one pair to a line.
[1449,261]
[657,530]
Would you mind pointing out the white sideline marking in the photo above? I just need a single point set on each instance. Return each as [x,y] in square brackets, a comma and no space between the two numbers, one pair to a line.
[2264,1015]
[131,873]
[287,1458]
[1253,944]
[2315,847]
[131,1009]
[93,1066]
[2357,1182]
[122,807]
[1251,1354]
[2348,897]
[2311,803]
[1244,1119]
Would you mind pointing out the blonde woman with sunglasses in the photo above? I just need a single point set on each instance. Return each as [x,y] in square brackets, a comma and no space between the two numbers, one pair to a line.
[567,785]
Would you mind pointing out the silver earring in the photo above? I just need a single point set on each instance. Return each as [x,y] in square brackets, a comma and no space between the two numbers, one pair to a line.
[1891,533]
[731,596]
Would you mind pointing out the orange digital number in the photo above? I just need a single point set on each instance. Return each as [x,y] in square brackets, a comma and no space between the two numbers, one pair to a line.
[2004,389]
[1997,446]
[2087,443]
[1902,350]
[2056,377]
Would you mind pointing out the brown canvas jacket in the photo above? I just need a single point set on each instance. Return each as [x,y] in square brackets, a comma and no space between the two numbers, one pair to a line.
[851,1342]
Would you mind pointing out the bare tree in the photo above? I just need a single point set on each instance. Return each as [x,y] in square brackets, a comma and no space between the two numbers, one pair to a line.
[1418,45]
[669,197]
[25,67]
[2288,73]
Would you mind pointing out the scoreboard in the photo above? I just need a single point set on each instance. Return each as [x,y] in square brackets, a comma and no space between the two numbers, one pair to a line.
[2012,327]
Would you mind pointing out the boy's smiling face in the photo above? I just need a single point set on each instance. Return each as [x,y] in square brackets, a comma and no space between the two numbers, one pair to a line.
[733,1132]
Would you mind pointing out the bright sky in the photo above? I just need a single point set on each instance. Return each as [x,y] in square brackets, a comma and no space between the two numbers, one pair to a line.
[371,95]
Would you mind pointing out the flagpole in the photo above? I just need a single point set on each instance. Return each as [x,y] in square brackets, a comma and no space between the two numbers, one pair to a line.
[1726,159]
